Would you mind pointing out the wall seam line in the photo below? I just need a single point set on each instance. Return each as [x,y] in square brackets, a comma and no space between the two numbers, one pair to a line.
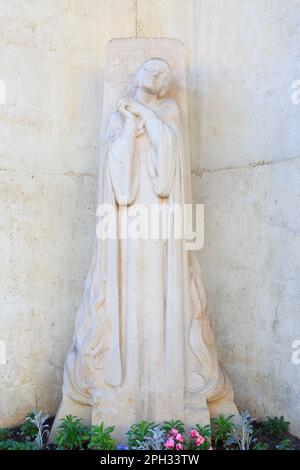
[201,171]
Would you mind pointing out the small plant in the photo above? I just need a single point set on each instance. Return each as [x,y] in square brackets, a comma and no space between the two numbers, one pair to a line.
[15,445]
[200,438]
[28,429]
[173,424]
[138,432]
[221,428]
[197,439]
[204,431]
[71,433]
[260,446]
[276,425]
[5,433]
[241,433]
[175,439]
[286,444]
[37,419]
[154,441]
[101,439]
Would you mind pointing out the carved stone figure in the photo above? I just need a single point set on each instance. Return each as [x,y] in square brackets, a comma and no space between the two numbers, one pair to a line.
[143,348]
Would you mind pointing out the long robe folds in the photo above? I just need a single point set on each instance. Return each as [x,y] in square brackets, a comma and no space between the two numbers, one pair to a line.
[142,347]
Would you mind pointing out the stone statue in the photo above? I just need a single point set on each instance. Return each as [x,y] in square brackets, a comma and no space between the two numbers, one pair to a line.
[143,348]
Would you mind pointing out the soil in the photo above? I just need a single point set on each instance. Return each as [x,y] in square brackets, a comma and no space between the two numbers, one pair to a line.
[17,435]
[274,439]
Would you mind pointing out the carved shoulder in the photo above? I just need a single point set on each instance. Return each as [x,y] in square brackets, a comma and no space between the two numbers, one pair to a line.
[171,112]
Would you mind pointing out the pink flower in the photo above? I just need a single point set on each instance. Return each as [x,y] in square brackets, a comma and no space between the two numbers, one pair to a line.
[169,444]
[194,434]
[200,440]
[211,448]
[174,432]
[179,446]
[179,438]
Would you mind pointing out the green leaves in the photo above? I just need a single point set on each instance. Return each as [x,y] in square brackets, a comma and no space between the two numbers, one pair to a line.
[244,433]
[71,434]
[101,439]
[15,445]
[204,431]
[261,446]
[5,433]
[285,444]
[138,432]
[173,424]
[28,428]
[276,425]
[221,428]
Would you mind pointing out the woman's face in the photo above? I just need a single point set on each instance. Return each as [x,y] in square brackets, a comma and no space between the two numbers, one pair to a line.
[153,76]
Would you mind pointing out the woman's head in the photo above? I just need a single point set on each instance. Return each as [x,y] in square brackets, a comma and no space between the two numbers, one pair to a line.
[154,76]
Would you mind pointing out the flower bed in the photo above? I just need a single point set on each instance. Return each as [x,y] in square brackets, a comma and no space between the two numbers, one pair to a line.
[244,434]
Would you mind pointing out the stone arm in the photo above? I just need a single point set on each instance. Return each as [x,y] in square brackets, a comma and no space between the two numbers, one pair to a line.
[122,163]
[165,137]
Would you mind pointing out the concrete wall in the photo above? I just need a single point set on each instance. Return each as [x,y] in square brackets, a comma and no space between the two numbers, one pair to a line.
[242,58]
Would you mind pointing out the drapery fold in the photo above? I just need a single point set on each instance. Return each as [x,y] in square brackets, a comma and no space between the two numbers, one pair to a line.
[95,359]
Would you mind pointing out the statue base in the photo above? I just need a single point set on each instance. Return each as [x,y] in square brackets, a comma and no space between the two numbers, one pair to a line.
[196,413]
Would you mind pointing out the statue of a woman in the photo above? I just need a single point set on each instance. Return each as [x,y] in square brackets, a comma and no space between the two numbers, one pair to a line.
[142,347]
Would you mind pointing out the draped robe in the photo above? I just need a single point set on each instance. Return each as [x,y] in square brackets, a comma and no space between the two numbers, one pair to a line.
[142,347]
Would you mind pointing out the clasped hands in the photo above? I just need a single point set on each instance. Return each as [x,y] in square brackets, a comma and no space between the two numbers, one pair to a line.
[130,109]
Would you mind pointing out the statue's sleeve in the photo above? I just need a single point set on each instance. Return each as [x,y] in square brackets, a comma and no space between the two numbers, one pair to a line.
[122,163]
[166,139]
